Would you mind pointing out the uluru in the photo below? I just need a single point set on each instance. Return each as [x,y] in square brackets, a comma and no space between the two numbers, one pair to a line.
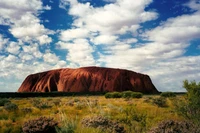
[88,79]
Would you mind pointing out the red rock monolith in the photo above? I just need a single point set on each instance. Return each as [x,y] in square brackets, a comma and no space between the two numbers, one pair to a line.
[88,79]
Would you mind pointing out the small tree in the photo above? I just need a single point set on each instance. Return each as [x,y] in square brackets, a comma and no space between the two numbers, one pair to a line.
[190,108]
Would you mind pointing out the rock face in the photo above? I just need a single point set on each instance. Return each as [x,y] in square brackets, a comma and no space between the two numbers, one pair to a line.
[87,79]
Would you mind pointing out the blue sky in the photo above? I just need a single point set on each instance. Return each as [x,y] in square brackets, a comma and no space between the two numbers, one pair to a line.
[160,38]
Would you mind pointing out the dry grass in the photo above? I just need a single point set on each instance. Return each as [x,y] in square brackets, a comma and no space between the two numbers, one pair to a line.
[77,108]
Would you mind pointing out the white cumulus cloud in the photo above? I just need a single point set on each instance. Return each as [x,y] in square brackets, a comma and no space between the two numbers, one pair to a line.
[79,52]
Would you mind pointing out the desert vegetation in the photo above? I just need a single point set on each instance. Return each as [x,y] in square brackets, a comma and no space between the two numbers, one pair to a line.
[116,112]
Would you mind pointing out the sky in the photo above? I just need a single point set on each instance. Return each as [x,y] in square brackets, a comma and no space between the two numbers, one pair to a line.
[160,38]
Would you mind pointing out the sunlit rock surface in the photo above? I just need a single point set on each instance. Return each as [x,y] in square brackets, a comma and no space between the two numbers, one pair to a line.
[87,79]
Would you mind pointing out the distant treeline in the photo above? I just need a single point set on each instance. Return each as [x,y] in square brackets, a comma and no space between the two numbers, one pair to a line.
[46,94]
[56,94]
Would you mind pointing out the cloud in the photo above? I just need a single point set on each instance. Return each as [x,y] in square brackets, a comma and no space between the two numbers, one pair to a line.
[71,34]
[102,26]
[105,36]
[112,19]
[166,44]
[13,48]
[178,29]
[79,52]
[26,57]
[44,39]
[13,10]
[24,54]
[105,39]
[110,0]
[32,49]
[50,58]
[194,5]
[14,68]
[47,7]
[163,56]
[4,21]
[3,41]
[168,76]
[29,29]
[173,31]
[21,16]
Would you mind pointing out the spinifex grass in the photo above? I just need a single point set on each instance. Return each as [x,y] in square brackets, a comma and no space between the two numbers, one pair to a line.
[136,115]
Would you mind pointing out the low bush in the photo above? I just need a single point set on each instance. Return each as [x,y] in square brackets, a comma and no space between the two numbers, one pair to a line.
[27,110]
[10,107]
[44,105]
[113,95]
[117,95]
[168,94]
[103,124]
[108,95]
[124,94]
[3,101]
[40,125]
[160,102]
[127,94]
[40,104]
[171,126]
[136,95]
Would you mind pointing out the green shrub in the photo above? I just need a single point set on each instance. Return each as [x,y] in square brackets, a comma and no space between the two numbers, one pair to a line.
[160,102]
[3,101]
[136,95]
[116,95]
[190,107]
[10,107]
[113,95]
[168,94]
[127,94]
[108,95]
